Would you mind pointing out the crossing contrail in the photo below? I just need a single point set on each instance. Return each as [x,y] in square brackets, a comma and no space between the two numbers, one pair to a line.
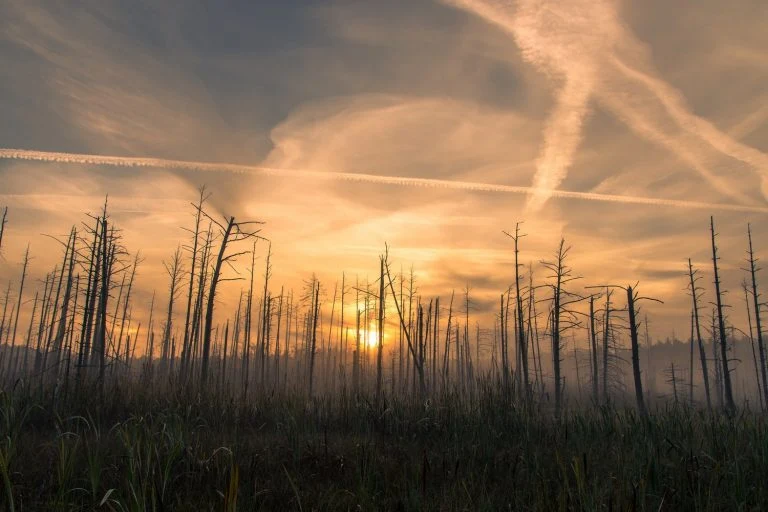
[596,58]
[213,167]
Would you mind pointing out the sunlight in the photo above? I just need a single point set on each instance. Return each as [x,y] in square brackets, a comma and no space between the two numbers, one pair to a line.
[372,337]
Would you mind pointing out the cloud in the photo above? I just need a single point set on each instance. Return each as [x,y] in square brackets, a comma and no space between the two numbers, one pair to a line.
[585,45]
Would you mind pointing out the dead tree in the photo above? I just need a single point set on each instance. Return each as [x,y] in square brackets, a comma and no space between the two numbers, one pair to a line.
[521,338]
[28,347]
[562,317]
[3,222]
[356,354]
[19,303]
[716,359]
[752,345]
[753,269]
[175,271]
[277,337]
[380,333]
[446,351]
[606,338]
[533,327]
[504,352]
[672,380]
[632,299]
[690,363]
[134,267]
[418,364]
[187,341]
[59,339]
[203,281]
[109,250]
[266,318]
[315,302]
[94,266]
[232,232]
[245,364]
[593,348]
[6,302]
[730,405]
[695,296]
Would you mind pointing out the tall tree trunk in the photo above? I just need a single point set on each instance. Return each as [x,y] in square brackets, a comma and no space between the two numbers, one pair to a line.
[19,303]
[313,335]
[758,319]
[522,342]
[606,339]
[380,332]
[635,353]
[211,302]
[699,340]
[752,345]
[729,402]
[187,341]
[593,350]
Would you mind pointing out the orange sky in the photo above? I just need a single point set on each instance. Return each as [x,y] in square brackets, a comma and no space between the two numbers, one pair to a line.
[632,99]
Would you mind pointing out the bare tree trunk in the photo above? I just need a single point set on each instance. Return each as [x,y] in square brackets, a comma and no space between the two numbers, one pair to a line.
[702,353]
[417,364]
[277,339]
[313,334]
[447,352]
[593,350]
[187,341]
[3,222]
[101,337]
[211,303]
[690,365]
[174,271]
[606,338]
[127,304]
[94,264]
[25,362]
[752,345]
[729,403]
[380,333]
[245,368]
[753,269]
[522,342]
[635,353]
[559,273]
[716,357]
[265,317]
[60,334]
[18,305]
[503,348]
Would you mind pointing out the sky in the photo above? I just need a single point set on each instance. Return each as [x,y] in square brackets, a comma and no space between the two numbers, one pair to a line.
[428,125]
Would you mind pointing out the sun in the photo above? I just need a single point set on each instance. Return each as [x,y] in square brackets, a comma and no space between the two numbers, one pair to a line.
[372,338]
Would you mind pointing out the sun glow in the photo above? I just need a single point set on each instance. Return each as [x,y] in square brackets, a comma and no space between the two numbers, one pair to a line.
[372,337]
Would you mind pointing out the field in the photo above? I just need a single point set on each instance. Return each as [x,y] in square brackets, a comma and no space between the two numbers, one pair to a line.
[141,449]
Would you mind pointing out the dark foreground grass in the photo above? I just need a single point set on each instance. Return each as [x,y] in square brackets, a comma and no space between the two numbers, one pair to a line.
[135,451]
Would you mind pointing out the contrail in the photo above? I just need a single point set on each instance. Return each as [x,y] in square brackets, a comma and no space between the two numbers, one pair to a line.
[210,167]
[587,48]
[538,31]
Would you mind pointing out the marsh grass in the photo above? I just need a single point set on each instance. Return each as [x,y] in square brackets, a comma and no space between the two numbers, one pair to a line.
[196,453]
